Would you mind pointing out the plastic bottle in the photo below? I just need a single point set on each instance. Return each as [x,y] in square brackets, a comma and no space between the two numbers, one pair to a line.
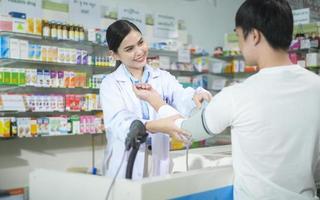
[53,30]
[13,127]
[59,31]
[76,33]
[314,42]
[65,31]
[45,29]
[71,33]
[81,34]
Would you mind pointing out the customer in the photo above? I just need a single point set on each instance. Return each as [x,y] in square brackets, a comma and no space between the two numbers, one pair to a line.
[274,115]
[121,106]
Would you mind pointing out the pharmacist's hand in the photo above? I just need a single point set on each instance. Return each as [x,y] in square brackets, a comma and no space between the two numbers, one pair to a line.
[167,125]
[201,96]
[144,91]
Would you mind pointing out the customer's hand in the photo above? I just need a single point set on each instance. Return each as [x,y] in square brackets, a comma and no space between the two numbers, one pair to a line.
[167,125]
[201,96]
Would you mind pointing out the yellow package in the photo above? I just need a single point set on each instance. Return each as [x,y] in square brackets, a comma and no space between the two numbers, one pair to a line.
[34,127]
[38,26]
[1,127]
[176,144]
[30,26]
[5,127]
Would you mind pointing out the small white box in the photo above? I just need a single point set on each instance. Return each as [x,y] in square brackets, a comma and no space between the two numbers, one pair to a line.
[313,60]
[14,48]
[92,35]
[19,25]
[302,63]
[61,55]
[24,48]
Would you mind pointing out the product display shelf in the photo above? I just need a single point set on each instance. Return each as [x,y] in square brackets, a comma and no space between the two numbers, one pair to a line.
[304,51]
[234,74]
[314,69]
[21,63]
[229,57]
[195,73]
[102,70]
[92,50]
[197,55]
[47,136]
[160,52]
[13,89]
[55,42]
[184,72]
[46,114]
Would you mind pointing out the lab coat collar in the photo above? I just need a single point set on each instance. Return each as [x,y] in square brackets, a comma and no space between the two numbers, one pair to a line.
[121,74]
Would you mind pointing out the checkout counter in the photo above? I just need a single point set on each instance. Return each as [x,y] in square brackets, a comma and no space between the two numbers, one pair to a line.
[210,176]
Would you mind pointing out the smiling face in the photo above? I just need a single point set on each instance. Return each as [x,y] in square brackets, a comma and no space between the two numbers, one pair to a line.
[133,51]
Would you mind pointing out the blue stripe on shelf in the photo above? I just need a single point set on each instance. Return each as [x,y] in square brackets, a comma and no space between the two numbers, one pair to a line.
[225,193]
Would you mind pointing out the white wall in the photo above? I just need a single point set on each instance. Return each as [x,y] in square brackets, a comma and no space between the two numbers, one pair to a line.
[206,20]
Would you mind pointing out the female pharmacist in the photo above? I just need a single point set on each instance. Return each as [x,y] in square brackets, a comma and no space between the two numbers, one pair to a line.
[121,106]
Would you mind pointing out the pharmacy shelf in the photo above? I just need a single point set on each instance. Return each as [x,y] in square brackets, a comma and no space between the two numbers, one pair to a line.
[53,42]
[184,72]
[160,52]
[21,63]
[20,35]
[45,90]
[315,68]
[228,58]
[197,55]
[195,73]
[48,136]
[303,51]
[234,75]
[46,114]
[102,70]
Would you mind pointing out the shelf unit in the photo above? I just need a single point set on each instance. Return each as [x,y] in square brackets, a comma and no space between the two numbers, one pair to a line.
[90,47]
[310,50]
[229,57]
[45,90]
[46,114]
[226,75]
[48,41]
[46,136]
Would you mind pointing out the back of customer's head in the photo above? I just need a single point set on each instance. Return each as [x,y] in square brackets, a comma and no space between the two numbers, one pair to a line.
[273,18]
[117,31]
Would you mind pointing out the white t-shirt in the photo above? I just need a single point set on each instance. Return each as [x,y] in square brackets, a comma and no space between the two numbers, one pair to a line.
[275,125]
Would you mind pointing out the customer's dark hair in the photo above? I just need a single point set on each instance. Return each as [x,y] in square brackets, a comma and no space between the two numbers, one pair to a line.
[273,18]
[117,31]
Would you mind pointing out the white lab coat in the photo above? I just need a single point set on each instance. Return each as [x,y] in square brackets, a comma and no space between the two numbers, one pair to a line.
[121,106]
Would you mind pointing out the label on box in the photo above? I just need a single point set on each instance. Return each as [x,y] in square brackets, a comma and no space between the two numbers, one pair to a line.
[19,25]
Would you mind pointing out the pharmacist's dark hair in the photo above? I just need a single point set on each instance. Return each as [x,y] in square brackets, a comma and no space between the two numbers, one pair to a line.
[116,32]
[273,18]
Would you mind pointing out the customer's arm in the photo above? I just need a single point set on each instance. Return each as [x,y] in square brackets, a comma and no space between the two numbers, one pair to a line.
[206,122]
[166,114]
